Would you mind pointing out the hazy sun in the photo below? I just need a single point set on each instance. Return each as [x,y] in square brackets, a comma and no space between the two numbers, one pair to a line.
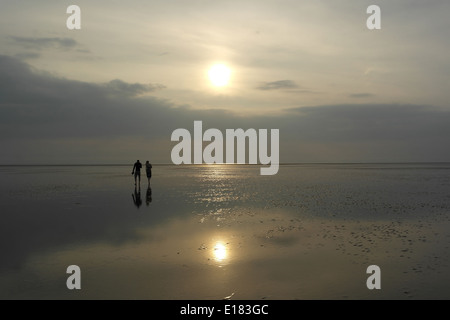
[219,75]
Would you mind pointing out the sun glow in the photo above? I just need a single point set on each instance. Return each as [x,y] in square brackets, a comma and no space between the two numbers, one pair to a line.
[219,75]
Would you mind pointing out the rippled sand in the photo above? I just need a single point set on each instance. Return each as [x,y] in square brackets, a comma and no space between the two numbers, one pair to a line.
[210,232]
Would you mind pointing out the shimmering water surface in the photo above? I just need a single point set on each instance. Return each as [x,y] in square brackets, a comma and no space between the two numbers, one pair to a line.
[209,232]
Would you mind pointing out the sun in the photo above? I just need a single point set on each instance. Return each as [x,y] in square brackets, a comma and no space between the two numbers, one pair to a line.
[219,75]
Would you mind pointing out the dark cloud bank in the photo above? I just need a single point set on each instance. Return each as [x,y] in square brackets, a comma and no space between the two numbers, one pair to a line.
[278,85]
[45,119]
[40,43]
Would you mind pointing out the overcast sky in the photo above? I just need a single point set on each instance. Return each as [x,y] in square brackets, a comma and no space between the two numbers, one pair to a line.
[115,90]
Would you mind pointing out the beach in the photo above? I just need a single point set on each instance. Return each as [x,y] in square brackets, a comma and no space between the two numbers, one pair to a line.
[224,231]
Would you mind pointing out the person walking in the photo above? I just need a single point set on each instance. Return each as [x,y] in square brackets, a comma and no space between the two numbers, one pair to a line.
[148,171]
[137,171]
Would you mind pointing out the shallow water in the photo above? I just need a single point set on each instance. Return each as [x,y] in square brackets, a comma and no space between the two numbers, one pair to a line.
[208,232]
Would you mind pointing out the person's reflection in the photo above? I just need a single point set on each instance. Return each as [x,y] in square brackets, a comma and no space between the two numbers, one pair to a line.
[148,197]
[137,196]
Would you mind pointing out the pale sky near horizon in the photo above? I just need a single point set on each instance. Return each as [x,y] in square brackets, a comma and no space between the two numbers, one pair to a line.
[137,70]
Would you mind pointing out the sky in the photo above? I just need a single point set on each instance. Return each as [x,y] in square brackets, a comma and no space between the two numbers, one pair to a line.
[114,91]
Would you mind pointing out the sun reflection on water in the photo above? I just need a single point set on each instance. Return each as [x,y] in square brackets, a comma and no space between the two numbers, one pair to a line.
[220,252]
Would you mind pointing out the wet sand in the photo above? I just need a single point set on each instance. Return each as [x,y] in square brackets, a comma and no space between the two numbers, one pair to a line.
[211,232]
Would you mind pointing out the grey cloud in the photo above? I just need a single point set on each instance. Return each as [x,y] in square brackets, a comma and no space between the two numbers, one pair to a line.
[277,85]
[27,55]
[83,51]
[361,95]
[119,87]
[373,122]
[41,112]
[45,42]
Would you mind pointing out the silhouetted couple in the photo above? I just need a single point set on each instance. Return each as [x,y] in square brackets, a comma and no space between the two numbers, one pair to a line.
[137,171]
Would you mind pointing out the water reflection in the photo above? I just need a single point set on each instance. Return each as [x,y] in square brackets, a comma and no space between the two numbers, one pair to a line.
[283,251]
[220,252]
[148,196]
[137,196]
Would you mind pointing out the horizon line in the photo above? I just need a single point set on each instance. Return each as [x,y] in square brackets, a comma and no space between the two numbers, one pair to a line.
[241,164]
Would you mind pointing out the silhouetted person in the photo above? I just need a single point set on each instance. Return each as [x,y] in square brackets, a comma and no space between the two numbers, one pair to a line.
[137,171]
[137,197]
[148,171]
[148,197]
